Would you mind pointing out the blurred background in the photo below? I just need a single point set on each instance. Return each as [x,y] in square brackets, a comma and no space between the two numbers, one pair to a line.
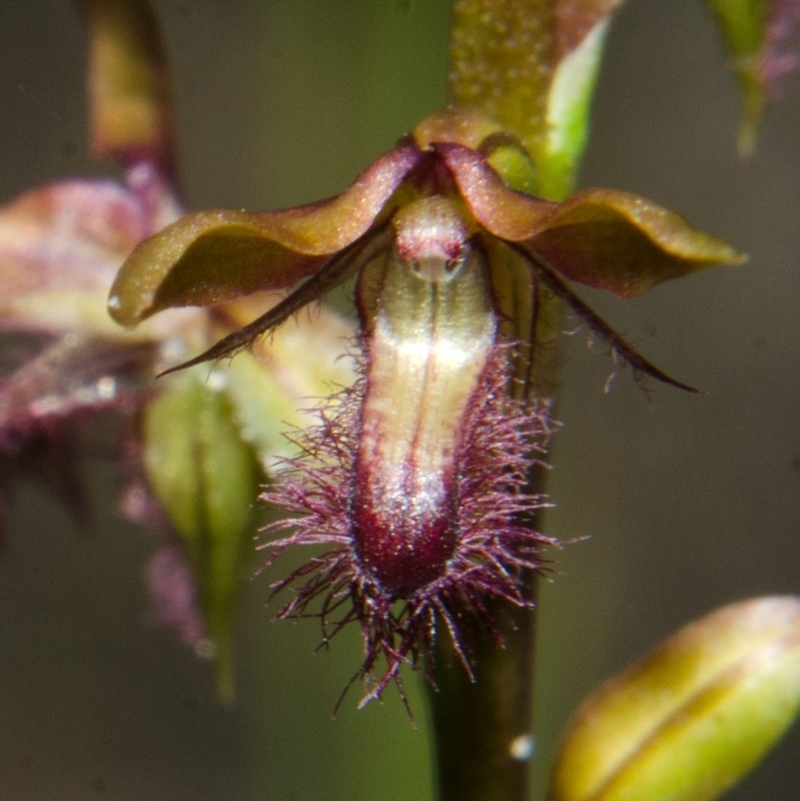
[688,502]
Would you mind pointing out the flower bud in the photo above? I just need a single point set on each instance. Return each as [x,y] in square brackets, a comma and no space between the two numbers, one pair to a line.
[691,718]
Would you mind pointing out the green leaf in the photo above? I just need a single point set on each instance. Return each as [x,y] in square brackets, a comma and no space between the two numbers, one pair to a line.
[692,717]
[206,478]
[569,103]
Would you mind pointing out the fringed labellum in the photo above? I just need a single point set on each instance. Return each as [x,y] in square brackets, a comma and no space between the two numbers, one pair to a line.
[417,474]
[433,331]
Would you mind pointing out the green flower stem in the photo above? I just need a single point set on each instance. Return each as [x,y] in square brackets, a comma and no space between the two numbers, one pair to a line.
[501,62]
[481,729]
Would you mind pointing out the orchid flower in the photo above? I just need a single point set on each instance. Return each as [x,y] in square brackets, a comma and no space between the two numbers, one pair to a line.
[416,476]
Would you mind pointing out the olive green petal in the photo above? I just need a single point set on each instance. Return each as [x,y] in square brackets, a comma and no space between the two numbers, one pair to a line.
[609,240]
[214,256]
[623,243]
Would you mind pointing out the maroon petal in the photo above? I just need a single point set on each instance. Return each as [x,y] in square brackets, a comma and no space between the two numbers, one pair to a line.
[73,375]
[60,247]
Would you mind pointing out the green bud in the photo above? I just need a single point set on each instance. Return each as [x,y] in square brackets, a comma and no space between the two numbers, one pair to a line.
[206,478]
[694,716]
